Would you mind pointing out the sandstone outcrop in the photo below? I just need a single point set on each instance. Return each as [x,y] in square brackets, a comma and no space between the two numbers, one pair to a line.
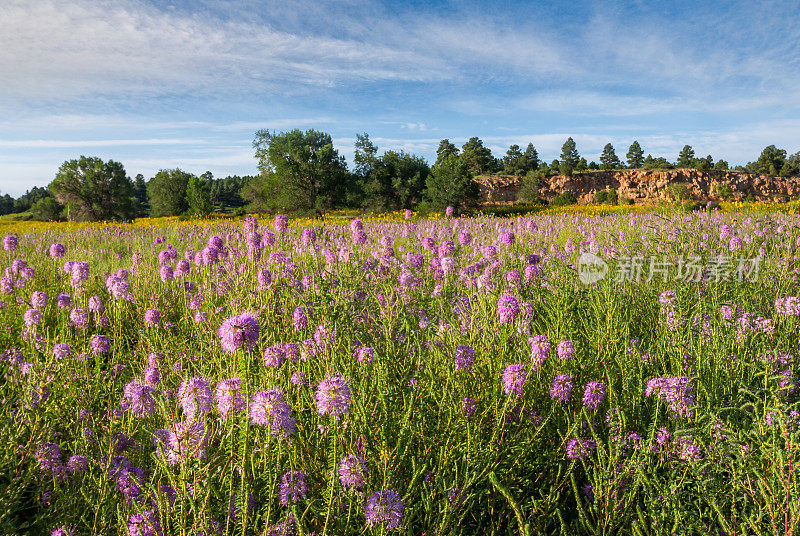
[648,186]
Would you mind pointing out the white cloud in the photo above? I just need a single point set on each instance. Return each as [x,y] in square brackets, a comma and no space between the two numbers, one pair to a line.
[59,49]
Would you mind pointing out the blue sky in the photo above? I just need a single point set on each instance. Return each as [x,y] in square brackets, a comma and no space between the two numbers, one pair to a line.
[157,84]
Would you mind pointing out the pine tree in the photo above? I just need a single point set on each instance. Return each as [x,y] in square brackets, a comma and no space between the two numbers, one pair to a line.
[445,150]
[635,156]
[609,158]
[685,157]
[531,158]
[569,157]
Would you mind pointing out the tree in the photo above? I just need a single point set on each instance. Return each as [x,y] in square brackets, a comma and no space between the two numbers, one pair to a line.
[529,187]
[409,175]
[791,166]
[6,204]
[478,158]
[450,184]
[704,164]
[635,155]
[365,155]
[141,200]
[685,157]
[198,196]
[47,209]
[391,181]
[95,190]
[167,192]
[770,161]
[445,150]
[656,163]
[721,165]
[27,200]
[531,158]
[569,157]
[514,161]
[227,192]
[301,170]
[609,158]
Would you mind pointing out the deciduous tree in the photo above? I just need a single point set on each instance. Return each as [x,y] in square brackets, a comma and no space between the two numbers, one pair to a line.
[95,190]
[301,171]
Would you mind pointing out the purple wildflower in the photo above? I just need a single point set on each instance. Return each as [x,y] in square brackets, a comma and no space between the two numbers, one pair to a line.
[514,377]
[39,299]
[138,398]
[32,317]
[365,355]
[152,317]
[593,395]
[580,449]
[293,487]
[353,472]
[507,309]
[468,407]
[561,388]
[77,464]
[186,440]
[507,238]
[79,318]
[57,250]
[300,318]
[239,332]
[281,223]
[144,524]
[10,242]
[63,530]
[274,356]
[465,357]
[100,344]
[333,396]
[540,346]
[49,456]
[676,391]
[384,507]
[228,398]
[194,396]
[566,350]
[270,408]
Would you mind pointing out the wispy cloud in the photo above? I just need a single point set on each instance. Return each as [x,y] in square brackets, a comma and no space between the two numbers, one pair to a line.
[61,49]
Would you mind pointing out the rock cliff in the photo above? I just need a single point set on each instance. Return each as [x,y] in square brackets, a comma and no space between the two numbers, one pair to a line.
[647,186]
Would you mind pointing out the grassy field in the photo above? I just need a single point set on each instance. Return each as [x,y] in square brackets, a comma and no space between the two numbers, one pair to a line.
[580,370]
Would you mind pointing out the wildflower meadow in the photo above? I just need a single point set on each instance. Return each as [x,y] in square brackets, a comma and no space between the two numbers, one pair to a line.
[445,376]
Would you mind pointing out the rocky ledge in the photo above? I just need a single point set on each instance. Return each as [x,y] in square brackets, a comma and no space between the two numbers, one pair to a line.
[647,186]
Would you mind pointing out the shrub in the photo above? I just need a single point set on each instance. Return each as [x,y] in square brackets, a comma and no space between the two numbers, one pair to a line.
[609,197]
[529,187]
[564,198]
[678,192]
[722,190]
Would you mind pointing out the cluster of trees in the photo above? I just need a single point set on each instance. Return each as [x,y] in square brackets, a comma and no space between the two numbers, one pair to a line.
[302,172]
[90,189]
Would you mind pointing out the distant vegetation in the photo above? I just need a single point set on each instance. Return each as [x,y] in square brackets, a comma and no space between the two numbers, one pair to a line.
[301,173]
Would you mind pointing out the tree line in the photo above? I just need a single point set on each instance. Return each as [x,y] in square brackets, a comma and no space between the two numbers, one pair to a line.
[301,172]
